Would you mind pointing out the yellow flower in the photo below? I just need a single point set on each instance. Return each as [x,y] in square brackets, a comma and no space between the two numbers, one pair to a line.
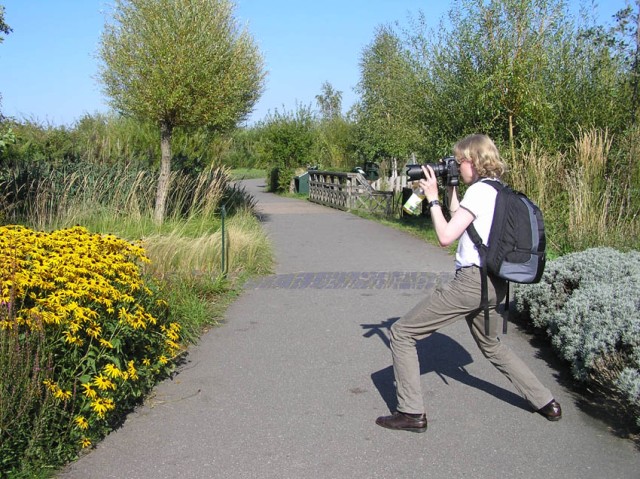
[99,407]
[81,422]
[146,362]
[89,391]
[71,339]
[94,331]
[172,335]
[103,383]
[85,443]
[133,374]
[62,395]
[57,392]
[74,327]
[163,359]
[105,344]
[112,371]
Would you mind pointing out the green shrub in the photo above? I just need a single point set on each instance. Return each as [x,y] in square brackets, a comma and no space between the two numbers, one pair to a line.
[588,303]
[279,179]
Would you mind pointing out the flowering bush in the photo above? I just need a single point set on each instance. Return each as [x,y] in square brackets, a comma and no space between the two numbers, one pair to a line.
[92,335]
[588,303]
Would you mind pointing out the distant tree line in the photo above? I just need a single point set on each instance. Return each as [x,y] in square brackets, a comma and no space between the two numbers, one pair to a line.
[522,72]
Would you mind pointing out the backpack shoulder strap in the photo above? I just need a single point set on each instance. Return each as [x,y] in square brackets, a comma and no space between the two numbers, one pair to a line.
[482,252]
[473,233]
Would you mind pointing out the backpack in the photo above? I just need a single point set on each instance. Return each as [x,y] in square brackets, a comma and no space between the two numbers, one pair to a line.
[517,243]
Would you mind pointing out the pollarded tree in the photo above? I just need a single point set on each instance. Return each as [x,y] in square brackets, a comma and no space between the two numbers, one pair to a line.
[179,63]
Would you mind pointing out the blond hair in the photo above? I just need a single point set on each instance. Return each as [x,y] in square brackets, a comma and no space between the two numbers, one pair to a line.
[483,153]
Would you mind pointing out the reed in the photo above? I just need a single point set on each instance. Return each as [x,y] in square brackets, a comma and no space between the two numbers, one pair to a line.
[600,212]
[587,202]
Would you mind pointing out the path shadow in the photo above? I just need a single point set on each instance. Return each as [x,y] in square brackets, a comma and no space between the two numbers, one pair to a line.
[439,354]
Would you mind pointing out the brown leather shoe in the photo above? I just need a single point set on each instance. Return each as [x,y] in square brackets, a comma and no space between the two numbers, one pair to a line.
[403,422]
[552,411]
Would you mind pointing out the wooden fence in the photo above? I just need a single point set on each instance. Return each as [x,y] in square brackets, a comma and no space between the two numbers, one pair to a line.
[393,183]
[348,191]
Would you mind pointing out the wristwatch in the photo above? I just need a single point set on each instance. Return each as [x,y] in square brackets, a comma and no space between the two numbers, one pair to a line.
[433,203]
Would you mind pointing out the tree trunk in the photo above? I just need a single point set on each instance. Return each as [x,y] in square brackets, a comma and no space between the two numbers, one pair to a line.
[634,71]
[511,139]
[165,172]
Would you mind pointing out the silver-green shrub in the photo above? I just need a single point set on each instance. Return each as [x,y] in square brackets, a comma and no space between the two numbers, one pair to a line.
[589,305]
[562,277]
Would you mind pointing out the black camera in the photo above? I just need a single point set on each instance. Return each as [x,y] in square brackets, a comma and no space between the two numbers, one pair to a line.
[447,168]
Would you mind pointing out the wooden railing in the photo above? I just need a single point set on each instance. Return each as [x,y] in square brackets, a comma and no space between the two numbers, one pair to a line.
[348,191]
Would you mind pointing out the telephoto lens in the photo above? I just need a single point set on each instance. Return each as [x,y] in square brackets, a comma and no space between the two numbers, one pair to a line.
[447,168]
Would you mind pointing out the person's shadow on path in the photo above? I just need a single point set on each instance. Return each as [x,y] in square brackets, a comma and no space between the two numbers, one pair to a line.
[440,354]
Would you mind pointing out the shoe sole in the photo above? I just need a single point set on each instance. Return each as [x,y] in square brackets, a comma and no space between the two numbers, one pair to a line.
[554,419]
[408,429]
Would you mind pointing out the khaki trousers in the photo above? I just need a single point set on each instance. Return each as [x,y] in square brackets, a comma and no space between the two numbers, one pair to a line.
[458,299]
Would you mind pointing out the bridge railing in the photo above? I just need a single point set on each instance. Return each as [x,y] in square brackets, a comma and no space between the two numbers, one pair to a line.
[348,191]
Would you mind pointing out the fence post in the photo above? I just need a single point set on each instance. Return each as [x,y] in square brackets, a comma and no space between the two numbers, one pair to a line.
[223,214]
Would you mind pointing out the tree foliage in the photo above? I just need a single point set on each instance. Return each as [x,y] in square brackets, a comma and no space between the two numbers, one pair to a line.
[387,112]
[179,63]
[330,102]
[522,71]
[285,142]
[4,29]
[334,140]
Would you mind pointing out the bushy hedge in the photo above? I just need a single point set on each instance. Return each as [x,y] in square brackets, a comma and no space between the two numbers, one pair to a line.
[589,304]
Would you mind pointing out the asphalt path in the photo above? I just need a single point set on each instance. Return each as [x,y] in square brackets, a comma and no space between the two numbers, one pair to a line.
[290,385]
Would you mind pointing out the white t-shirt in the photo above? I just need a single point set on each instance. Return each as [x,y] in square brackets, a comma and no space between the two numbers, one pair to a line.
[480,201]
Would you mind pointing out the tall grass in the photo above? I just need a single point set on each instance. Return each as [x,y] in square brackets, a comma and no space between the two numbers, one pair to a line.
[592,202]
[246,250]
[189,260]
[47,198]
[587,201]
[25,403]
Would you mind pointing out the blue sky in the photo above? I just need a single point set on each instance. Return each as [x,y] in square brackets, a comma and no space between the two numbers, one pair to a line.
[48,63]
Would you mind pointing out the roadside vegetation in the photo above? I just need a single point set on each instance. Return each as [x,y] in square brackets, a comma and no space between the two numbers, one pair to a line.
[93,316]
[131,205]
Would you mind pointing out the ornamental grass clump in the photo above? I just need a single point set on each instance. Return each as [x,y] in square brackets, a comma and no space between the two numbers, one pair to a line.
[589,305]
[83,337]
